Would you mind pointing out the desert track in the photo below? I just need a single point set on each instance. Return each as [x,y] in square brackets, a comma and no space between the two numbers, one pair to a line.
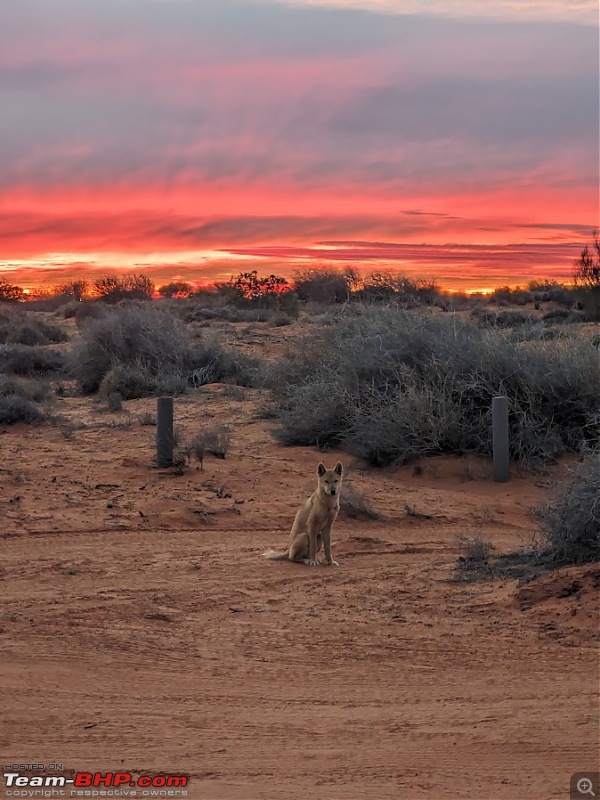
[141,630]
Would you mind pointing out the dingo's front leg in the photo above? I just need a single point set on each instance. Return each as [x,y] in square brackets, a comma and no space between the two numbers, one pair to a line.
[327,547]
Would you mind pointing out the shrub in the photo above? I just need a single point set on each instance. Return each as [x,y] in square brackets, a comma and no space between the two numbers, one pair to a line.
[214,440]
[14,408]
[176,289]
[502,319]
[545,291]
[87,311]
[392,287]
[140,349]
[140,340]
[477,549]
[391,385]
[280,319]
[19,327]
[21,359]
[69,309]
[571,522]
[114,402]
[474,564]
[320,285]
[590,303]
[130,382]
[32,390]
[355,505]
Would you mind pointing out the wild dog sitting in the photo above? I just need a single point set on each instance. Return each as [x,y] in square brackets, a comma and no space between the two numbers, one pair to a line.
[312,526]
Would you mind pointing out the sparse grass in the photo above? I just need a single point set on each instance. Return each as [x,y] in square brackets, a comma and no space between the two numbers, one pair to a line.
[392,385]
[147,418]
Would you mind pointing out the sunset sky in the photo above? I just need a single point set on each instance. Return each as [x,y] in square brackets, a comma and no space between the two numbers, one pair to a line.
[194,139]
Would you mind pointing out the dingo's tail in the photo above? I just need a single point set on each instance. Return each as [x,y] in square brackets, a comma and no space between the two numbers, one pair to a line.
[273,555]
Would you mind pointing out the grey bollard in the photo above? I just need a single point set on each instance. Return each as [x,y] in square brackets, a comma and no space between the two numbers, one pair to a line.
[164,431]
[500,438]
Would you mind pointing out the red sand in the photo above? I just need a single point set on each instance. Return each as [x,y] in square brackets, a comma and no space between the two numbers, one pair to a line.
[142,631]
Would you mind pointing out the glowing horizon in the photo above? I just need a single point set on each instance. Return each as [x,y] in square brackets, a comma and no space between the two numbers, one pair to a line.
[194,141]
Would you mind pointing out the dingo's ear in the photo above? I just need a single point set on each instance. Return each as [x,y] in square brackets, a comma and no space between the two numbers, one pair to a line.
[321,469]
[338,468]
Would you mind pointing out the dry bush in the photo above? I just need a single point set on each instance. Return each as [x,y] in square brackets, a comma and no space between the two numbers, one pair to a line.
[27,388]
[141,349]
[571,521]
[279,319]
[355,505]
[114,402]
[17,326]
[14,408]
[477,549]
[502,319]
[22,359]
[391,385]
[213,439]
[474,564]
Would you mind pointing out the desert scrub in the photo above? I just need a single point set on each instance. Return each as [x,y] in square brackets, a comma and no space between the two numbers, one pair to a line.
[22,359]
[141,349]
[29,389]
[355,505]
[280,319]
[14,408]
[21,327]
[570,522]
[211,439]
[391,385]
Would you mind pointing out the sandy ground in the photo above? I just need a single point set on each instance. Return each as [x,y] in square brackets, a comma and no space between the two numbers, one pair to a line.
[140,629]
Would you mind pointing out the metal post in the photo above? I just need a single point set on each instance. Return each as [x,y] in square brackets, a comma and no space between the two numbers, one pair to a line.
[164,431]
[500,438]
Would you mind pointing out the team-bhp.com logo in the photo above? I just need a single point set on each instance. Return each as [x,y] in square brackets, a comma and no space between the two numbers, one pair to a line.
[95,784]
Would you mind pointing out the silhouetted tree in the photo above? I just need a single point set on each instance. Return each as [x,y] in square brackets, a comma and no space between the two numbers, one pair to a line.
[176,289]
[322,285]
[113,288]
[248,286]
[586,275]
[9,293]
[73,289]
[586,272]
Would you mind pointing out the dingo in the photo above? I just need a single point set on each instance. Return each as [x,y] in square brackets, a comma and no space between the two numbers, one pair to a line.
[312,526]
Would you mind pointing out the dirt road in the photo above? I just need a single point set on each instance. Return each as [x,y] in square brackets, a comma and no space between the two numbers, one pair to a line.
[141,630]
